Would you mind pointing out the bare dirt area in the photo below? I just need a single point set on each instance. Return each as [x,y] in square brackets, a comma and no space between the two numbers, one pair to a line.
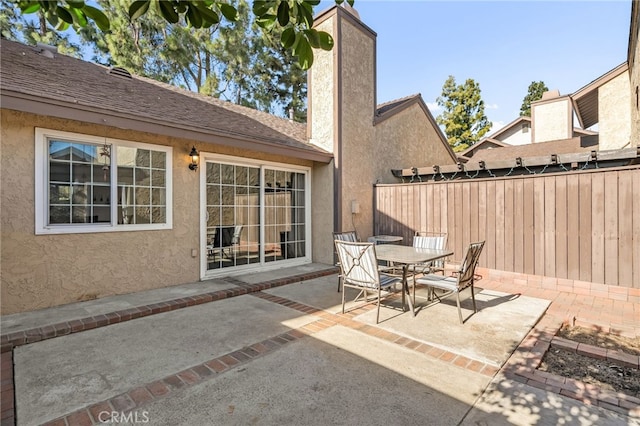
[602,373]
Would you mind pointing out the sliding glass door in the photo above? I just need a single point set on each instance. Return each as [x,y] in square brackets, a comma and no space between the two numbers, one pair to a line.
[255,214]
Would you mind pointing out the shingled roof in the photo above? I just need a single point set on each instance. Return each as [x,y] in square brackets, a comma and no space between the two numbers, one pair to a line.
[34,80]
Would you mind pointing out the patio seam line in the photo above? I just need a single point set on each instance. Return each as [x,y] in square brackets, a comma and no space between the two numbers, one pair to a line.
[522,367]
[11,340]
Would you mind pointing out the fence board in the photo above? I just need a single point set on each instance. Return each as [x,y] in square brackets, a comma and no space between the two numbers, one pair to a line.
[529,227]
[582,225]
[549,226]
[625,230]
[538,225]
[611,228]
[482,218]
[518,226]
[585,182]
[473,212]
[466,215]
[508,225]
[573,229]
[499,232]
[561,226]
[490,245]
[430,210]
[597,228]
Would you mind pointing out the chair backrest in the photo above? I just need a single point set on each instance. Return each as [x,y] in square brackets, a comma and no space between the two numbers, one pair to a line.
[358,263]
[351,236]
[236,235]
[468,267]
[430,240]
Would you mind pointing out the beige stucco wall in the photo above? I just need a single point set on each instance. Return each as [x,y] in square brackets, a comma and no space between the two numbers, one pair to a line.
[516,136]
[552,120]
[359,168]
[322,93]
[322,205]
[614,115]
[39,271]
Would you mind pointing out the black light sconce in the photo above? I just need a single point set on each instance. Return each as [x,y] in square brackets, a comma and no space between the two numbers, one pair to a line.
[194,159]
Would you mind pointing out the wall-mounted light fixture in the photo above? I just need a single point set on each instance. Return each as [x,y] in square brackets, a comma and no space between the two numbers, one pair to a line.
[194,159]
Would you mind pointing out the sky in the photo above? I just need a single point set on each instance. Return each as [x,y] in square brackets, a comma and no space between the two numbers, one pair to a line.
[502,45]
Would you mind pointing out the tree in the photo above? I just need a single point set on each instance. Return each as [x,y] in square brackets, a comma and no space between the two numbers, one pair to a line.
[15,27]
[463,117]
[294,17]
[536,89]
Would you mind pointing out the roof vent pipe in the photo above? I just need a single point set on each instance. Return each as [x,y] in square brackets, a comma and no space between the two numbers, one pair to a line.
[291,114]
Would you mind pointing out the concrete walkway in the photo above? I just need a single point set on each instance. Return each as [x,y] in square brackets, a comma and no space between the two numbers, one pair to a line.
[275,349]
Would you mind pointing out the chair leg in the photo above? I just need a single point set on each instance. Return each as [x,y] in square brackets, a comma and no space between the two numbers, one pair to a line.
[378,315]
[459,310]
[473,298]
[343,292]
[339,279]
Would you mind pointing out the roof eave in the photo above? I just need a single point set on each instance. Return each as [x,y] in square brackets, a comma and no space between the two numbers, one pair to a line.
[91,114]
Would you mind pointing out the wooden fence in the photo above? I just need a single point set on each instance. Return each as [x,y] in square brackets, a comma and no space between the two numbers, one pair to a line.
[575,225]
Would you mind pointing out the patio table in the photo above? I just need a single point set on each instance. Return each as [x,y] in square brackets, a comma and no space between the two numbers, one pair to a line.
[407,256]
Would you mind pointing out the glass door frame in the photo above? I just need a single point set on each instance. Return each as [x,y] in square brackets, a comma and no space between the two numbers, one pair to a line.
[205,158]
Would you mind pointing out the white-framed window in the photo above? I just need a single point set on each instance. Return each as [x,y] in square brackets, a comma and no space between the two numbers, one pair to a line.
[92,184]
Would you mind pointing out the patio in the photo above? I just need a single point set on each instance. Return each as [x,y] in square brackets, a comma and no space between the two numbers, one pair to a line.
[185,355]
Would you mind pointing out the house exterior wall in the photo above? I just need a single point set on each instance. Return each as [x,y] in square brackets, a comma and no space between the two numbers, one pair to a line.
[515,136]
[552,120]
[322,206]
[39,271]
[614,125]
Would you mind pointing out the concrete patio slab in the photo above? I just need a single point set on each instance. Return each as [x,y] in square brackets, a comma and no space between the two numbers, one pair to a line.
[337,376]
[95,365]
[489,336]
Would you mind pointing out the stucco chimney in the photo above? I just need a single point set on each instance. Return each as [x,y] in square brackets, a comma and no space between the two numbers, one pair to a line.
[551,117]
[342,82]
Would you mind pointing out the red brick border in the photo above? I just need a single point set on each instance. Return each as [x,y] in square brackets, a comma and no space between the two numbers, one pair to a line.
[7,397]
[10,340]
[523,365]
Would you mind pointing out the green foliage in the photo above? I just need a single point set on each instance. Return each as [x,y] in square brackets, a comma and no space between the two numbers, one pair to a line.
[14,27]
[294,16]
[64,14]
[535,91]
[463,114]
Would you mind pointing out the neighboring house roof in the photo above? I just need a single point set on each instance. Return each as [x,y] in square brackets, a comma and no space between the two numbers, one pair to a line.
[486,143]
[585,99]
[34,80]
[517,122]
[387,110]
[565,146]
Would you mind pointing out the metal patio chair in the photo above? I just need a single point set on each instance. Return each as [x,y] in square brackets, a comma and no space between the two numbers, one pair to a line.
[465,277]
[350,236]
[359,270]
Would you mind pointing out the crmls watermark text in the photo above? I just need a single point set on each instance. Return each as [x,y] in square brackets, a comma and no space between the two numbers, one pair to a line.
[119,417]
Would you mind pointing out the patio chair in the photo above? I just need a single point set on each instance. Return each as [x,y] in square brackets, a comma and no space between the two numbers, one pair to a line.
[425,240]
[350,236]
[430,240]
[465,277]
[359,270]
